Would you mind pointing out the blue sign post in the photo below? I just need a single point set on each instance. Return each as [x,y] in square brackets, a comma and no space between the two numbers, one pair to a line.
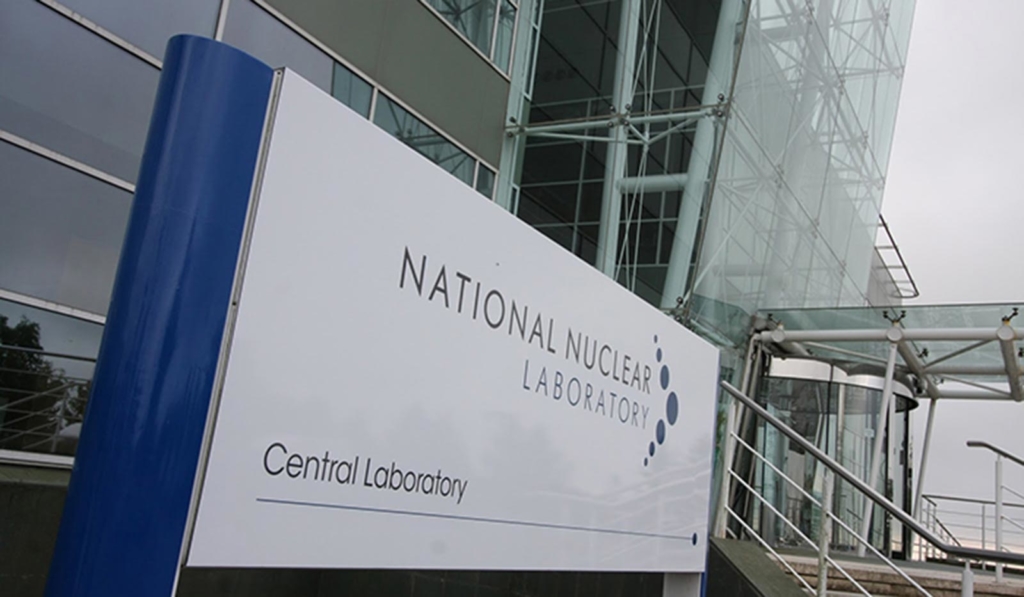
[131,487]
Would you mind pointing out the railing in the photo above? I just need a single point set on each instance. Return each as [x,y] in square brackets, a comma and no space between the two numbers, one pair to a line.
[999,515]
[941,541]
[903,283]
[823,545]
[929,517]
[970,521]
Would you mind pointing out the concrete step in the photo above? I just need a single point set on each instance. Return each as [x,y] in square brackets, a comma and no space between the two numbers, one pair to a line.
[879,579]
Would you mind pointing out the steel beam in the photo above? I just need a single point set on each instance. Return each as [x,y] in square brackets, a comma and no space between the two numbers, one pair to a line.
[655,183]
[718,82]
[879,335]
[924,456]
[884,415]
[615,161]
[1006,335]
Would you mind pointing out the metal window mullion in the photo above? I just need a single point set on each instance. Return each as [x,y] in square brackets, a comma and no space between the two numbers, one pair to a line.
[222,20]
[494,28]
[52,307]
[512,42]
[373,103]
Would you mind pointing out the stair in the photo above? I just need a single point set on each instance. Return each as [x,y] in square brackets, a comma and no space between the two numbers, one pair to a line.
[878,579]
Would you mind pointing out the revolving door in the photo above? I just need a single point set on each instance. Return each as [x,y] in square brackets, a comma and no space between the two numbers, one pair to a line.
[837,409]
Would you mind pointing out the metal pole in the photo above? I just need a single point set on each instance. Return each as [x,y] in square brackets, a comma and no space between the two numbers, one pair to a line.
[967,582]
[615,162]
[824,534]
[728,442]
[718,82]
[984,523]
[876,453]
[999,514]
[924,455]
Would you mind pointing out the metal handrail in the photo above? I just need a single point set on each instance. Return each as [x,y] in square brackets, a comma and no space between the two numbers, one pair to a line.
[970,500]
[880,500]
[980,444]
[829,514]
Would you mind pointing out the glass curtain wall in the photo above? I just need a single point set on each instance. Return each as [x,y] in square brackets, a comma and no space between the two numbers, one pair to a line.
[69,161]
[799,183]
[563,180]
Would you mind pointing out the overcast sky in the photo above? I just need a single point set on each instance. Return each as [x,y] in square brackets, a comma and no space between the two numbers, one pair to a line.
[953,200]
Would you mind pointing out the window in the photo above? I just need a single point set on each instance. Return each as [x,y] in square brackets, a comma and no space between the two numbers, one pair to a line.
[487,24]
[485,181]
[351,90]
[503,35]
[252,29]
[68,89]
[150,24]
[60,231]
[416,134]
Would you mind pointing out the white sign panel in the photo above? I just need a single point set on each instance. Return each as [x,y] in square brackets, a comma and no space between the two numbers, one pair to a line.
[417,379]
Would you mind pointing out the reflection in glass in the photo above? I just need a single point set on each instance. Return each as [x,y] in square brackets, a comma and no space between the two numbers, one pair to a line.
[416,134]
[71,91]
[503,37]
[472,18]
[150,24]
[250,28]
[46,367]
[351,90]
[60,231]
[485,181]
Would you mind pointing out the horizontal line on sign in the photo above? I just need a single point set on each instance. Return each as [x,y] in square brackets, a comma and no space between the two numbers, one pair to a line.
[543,525]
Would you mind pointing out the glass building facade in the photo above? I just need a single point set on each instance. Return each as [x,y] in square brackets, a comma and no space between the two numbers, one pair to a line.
[716,157]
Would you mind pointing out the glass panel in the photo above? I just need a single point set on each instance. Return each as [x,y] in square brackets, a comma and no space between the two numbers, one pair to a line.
[485,181]
[472,18]
[915,317]
[503,41]
[60,231]
[69,90]
[46,367]
[351,90]
[798,190]
[150,24]
[252,29]
[416,134]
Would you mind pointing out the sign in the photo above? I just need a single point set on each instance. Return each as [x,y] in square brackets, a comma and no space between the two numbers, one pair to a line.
[417,379]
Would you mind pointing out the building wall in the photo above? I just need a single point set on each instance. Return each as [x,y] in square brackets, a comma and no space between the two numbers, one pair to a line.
[406,48]
[790,178]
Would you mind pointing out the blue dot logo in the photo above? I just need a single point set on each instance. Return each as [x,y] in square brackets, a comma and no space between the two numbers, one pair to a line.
[671,410]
